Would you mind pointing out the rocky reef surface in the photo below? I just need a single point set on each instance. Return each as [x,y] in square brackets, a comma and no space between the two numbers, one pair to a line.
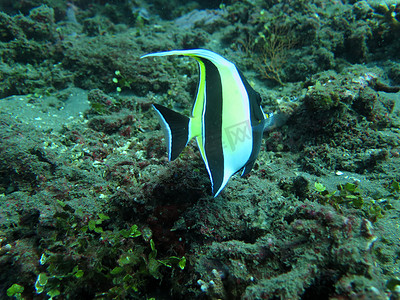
[90,207]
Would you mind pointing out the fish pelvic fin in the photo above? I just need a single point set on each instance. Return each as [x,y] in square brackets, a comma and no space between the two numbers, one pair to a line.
[176,130]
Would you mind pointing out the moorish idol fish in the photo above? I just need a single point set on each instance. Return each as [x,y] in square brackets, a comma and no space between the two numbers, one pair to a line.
[227,119]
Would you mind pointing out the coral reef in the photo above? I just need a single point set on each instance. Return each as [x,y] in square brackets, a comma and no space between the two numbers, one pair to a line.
[92,209]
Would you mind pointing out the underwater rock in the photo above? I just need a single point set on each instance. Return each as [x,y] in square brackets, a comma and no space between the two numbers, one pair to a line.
[208,19]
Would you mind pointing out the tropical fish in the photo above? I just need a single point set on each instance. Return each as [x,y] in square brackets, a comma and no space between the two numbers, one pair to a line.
[227,119]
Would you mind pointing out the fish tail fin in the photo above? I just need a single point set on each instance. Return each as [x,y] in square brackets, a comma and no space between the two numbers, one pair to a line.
[176,130]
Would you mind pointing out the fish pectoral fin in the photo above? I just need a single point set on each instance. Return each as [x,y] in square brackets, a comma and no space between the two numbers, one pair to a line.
[176,129]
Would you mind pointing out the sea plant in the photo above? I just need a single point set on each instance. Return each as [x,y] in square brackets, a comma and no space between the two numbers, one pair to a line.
[349,195]
[89,250]
[16,291]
